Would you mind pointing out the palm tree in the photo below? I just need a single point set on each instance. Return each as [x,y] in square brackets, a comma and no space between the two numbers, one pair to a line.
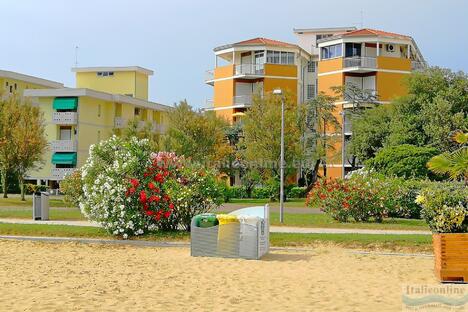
[455,164]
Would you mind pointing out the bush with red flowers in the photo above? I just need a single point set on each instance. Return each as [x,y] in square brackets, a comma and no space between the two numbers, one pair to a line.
[356,198]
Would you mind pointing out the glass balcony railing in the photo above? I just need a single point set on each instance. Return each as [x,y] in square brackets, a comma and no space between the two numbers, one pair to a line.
[360,61]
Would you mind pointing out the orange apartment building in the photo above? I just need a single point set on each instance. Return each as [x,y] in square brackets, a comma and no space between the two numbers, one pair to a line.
[323,58]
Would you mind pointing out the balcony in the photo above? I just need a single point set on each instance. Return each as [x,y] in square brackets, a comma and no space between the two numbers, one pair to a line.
[63,146]
[60,173]
[65,118]
[158,128]
[250,70]
[243,100]
[360,63]
[209,75]
[120,122]
[418,66]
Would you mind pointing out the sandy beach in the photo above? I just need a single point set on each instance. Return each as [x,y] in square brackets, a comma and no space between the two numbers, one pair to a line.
[37,276]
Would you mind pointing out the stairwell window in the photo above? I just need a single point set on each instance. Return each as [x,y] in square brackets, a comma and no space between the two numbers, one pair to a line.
[332,51]
[311,67]
[310,92]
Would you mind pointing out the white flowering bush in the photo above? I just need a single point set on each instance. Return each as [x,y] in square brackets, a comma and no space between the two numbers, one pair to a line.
[105,178]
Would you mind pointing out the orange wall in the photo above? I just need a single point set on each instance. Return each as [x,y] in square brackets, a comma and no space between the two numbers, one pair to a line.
[330,65]
[394,63]
[224,71]
[281,70]
[328,81]
[223,92]
[270,84]
[390,85]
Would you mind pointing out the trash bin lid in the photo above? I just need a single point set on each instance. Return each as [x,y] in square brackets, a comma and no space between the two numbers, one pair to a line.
[257,211]
[251,220]
[225,218]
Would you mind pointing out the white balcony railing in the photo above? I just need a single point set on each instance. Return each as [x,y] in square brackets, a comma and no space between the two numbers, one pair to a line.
[158,128]
[60,173]
[417,66]
[360,61]
[63,146]
[250,69]
[65,118]
[120,122]
[243,99]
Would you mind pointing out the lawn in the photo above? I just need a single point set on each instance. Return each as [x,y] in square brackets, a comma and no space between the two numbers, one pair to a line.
[15,201]
[300,220]
[367,241]
[292,202]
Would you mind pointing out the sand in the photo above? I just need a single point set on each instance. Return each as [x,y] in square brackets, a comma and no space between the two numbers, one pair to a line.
[37,276]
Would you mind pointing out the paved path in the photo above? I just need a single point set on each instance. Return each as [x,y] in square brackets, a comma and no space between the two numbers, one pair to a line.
[273,229]
[228,207]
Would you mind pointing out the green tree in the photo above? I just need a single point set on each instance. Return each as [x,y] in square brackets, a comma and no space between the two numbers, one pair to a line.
[262,134]
[320,135]
[22,139]
[197,135]
[134,128]
[407,161]
[454,164]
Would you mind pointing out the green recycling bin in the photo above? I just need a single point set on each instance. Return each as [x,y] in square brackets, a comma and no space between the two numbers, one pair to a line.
[206,220]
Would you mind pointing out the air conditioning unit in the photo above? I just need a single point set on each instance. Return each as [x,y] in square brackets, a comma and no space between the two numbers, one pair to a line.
[390,47]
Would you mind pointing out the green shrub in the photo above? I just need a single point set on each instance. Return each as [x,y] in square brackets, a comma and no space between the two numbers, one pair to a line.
[406,161]
[261,193]
[72,187]
[445,207]
[297,192]
[238,192]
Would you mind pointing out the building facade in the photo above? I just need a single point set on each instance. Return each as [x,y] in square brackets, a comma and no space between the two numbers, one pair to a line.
[322,59]
[104,100]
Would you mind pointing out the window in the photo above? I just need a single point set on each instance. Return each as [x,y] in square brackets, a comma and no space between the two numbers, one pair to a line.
[16,86]
[311,66]
[310,91]
[105,74]
[352,49]
[99,135]
[332,51]
[137,111]
[99,110]
[280,57]
[321,36]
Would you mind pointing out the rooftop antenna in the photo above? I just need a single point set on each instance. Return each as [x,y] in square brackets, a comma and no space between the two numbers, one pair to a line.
[76,56]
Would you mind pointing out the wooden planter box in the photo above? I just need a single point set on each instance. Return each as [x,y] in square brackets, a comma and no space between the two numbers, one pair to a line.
[451,257]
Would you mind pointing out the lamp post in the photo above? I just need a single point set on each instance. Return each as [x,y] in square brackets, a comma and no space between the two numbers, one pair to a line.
[280,93]
[343,142]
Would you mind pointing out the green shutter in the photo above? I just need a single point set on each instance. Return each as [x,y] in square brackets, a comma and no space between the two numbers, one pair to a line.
[65,103]
[64,158]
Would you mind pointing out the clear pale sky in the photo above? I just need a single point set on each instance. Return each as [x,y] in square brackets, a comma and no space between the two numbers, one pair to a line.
[175,38]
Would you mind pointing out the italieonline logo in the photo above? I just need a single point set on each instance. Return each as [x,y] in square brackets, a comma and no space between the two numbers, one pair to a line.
[448,297]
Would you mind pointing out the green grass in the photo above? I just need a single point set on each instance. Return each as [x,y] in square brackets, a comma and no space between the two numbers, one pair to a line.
[325,221]
[367,241]
[15,201]
[54,213]
[299,220]
[293,202]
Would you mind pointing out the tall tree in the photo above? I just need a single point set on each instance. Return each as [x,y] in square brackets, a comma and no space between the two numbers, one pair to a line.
[197,135]
[30,140]
[320,135]
[262,128]
[22,139]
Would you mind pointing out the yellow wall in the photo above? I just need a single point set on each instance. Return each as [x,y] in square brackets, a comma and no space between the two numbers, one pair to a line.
[20,86]
[325,83]
[393,63]
[223,92]
[330,65]
[122,82]
[390,85]
[224,71]
[280,70]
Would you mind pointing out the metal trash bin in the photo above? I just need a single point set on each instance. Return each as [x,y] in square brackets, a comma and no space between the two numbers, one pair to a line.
[41,206]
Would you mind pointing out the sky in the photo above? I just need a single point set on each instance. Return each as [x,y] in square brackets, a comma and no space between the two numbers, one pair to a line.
[176,38]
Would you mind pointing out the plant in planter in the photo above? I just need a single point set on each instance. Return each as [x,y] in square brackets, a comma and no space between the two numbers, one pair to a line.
[445,209]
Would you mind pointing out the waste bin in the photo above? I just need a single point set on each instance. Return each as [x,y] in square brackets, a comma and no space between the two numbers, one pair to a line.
[206,220]
[228,235]
[41,206]
[248,244]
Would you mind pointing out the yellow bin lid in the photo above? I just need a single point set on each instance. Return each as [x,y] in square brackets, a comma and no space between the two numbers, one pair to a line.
[225,219]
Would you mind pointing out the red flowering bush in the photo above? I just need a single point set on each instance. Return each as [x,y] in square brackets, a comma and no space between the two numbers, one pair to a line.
[150,192]
[355,198]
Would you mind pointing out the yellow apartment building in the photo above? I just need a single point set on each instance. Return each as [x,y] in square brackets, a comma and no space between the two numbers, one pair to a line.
[322,58]
[12,82]
[104,99]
